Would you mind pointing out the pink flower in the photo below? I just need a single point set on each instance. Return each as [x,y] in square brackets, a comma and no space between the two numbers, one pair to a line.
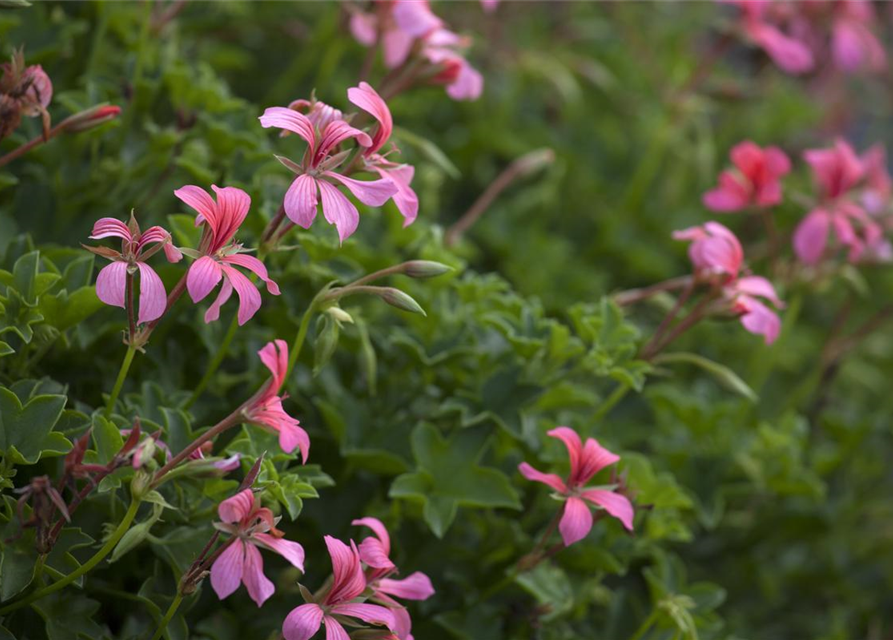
[251,526]
[347,585]
[758,23]
[36,90]
[836,170]
[111,283]
[316,179]
[443,48]
[375,552]
[718,258]
[756,183]
[878,184]
[400,175]
[265,409]
[221,254]
[853,44]
[224,465]
[586,460]
[398,24]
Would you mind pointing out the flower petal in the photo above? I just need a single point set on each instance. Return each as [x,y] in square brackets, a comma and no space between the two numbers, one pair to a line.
[153,297]
[338,210]
[370,192]
[615,504]
[232,208]
[213,312]
[107,227]
[334,630]
[593,459]
[255,266]
[291,551]
[574,445]
[198,199]
[811,236]
[336,132]
[111,284]
[249,296]
[274,356]
[759,319]
[549,479]
[283,118]
[378,529]
[301,201]
[303,622]
[576,521]
[347,571]
[416,586]
[202,277]
[371,613]
[233,510]
[367,99]
[226,572]
[729,196]
[406,199]
[259,586]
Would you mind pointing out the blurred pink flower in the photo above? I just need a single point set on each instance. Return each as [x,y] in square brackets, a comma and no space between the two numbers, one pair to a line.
[789,53]
[265,409]
[347,585]
[375,551]
[251,526]
[399,23]
[755,182]
[316,179]
[714,250]
[111,283]
[854,46]
[878,184]
[400,175]
[443,48]
[221,254]
[36,90]
[586,460]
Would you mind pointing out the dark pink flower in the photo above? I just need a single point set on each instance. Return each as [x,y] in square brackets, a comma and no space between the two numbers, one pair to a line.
[375,551]
[761,26]
[400,175]
[111,283]
[342,600]
[714,250]
[253,527]
[316,179]
[265,409]
[221,254]
[755,182]
[586,460]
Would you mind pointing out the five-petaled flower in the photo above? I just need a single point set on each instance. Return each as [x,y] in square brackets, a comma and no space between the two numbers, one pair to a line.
[586,460]
[375,551]
[755,182]
[136,248]
[342,600]
[718,259]
[265,408]
[316,176]
[220,254]
[251,526]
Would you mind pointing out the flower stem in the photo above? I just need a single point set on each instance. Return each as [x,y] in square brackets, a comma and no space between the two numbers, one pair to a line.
[84,568]
[296,346]
[215,363]
[119,382]
[646,626]
[171,610]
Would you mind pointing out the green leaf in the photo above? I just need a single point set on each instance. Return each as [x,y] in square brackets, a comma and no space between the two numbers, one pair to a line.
[28,280]
[63,310]
[449,476]
[26,432]
[5,349]
[428,149]
[69,616]
[107,438]
[551,588]
[725,376]
[138,533]
[184,230]
[18,560]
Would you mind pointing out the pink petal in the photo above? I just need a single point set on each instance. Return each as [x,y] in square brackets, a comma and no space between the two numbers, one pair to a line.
[378,529]
[758,286]
[202,277]
[406,199]
[111,284]
[255,266]
[338,210]
[153,297]
[811,236]
[396,46]
[747,156]
[615,504]
[777,161]
[302,622]
[334,630]
[40,89]
[575,522]
[371,613]
[349,581]
[855,47]
[370,192]
[729,196]
[198,199]
[593,459]
[367,99]
[549,479]
[416,586]
[334,134]
[415,18]
[301,201]
[233,510]
[249,296]
[106,227]
[213,312]
[274,357]
[291,551]
[759,319]
[364,28]
[283,118]
[232,208]
[226,572]
[573,443]
[374,554]
[469,84]
[259,586]
[789,54]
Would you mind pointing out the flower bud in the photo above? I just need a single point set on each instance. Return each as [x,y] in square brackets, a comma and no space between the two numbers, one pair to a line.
[404,301]
[340,315]
[91,118]
[140,484]
[425,268]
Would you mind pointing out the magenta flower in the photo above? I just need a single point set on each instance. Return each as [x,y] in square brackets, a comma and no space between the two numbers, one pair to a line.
[375,551]
[762,24]
[586,460]
[316,179]
[718,259]
[837,172]
[339,602]
[878,184]
[754,183]
[853,44]
[265,409]
[136,248]
[400,175]
[251,526]
[220,254]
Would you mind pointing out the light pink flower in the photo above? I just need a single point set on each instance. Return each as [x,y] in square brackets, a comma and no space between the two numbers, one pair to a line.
[400,175]
[853,44]
[37,90]
[586,460]
[754,183]
[252,526]
[444,48]
[375,551]
[265,409]
[878,184]
[398,24]
[221,254]
[755,316]
[136,248]
[714,250]
[760,25]
[348,584]
[316,179]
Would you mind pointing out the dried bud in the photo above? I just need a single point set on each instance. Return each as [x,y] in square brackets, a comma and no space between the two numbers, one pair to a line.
[91,118]
[404,301]
[425,268]
[10,115]
[534,161]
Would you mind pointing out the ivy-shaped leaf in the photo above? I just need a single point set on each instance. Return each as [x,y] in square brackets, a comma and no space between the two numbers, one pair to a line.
[26,432]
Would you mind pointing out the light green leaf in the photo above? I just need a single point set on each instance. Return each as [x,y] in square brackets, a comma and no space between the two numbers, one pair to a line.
[725,376]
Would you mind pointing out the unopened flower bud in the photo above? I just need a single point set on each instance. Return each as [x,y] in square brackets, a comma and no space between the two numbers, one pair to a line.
[340,314]
[404,301]
[140,485]
[91,118]
[425,268]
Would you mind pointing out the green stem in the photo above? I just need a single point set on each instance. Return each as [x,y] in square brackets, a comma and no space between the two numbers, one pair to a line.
[616,396]
[84,568]
[215,363]
[296,346]
[171,610]
[122,376]
[646,626]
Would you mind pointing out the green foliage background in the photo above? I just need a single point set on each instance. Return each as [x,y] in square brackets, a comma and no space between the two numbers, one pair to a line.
[756,519]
